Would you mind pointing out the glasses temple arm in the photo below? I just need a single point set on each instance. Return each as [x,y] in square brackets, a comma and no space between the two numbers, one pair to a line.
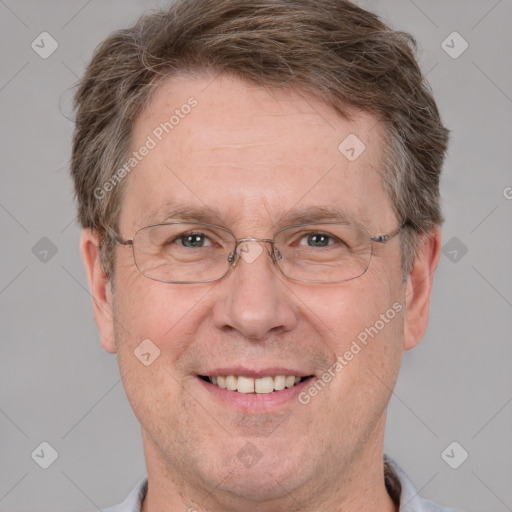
[116,238]
[382,239]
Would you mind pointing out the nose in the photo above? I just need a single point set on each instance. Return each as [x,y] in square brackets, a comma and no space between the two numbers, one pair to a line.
[255,301]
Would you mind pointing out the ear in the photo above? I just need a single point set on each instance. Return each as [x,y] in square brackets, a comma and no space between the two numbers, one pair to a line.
[419,288]
[99,285]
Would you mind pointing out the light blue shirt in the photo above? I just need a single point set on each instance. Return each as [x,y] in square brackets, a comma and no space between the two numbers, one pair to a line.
[399,487]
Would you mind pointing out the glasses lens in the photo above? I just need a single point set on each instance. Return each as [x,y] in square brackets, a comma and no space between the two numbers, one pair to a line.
[324,253]
[183,252]
[193,252]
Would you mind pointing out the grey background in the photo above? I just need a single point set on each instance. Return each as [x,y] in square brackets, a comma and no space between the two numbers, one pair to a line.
[58,386]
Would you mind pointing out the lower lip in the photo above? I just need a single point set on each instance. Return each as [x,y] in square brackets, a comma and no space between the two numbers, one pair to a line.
[256,402]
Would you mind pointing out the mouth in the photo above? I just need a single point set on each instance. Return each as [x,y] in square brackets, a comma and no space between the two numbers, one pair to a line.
[249,385]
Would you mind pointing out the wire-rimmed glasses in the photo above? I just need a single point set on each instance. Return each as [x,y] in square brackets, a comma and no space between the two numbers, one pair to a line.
[183,252]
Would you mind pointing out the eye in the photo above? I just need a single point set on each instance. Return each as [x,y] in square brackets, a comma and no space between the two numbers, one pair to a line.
[317,239]
[193,240]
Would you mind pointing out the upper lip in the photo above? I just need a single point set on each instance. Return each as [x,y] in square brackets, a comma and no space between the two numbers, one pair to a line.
[254,373]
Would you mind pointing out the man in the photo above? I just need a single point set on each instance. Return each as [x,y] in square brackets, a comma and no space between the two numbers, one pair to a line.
[258,184]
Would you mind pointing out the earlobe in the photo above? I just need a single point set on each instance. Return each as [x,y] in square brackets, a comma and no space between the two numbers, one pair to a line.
[419,288]
[99,284]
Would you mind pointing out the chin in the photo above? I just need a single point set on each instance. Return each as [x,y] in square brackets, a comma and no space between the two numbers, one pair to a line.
[256,477]
[258,486]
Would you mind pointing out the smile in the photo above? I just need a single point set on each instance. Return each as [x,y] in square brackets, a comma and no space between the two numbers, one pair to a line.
[261,385]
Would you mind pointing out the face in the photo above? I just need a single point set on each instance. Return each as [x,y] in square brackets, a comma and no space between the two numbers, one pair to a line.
[251,160]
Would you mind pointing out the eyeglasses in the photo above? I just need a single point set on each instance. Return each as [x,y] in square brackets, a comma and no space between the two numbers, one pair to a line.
[181,252]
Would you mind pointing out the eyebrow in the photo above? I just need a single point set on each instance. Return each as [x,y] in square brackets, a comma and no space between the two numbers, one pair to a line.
[314,214]
[173,211]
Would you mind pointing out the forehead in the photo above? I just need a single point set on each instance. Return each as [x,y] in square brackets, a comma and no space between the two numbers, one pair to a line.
[249,153]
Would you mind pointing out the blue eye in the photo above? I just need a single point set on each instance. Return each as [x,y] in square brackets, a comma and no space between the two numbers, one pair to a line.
[318,240]
[193,240]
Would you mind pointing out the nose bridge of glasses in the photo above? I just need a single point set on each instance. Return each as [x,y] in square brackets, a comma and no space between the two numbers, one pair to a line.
[242,249]
[252,239]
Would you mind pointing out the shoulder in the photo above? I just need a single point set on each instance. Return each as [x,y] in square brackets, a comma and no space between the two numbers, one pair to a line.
[403,491]
[430,506]
[133,502]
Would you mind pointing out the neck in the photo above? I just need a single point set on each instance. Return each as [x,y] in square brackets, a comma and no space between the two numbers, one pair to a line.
[359,486]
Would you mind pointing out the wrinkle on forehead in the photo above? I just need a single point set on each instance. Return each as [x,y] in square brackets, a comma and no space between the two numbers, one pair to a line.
[236,145]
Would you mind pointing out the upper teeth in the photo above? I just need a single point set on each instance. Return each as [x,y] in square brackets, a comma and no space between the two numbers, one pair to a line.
[249,385]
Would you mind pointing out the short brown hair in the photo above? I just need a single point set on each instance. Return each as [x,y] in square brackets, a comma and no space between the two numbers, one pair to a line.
[331,48]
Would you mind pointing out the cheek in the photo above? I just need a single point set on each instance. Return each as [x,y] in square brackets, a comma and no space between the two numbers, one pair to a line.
[148,308]
[158,324]
[366,343]
[154,326]
[375,344]
[364,376]
[360,309]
